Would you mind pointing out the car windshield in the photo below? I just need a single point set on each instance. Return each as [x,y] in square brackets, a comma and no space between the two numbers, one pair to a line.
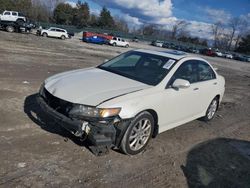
[143,67]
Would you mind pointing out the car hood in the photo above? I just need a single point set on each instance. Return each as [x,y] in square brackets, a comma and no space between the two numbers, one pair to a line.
[91,86]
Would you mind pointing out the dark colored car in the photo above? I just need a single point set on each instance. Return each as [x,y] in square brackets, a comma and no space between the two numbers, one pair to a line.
[135,39]
[208,52]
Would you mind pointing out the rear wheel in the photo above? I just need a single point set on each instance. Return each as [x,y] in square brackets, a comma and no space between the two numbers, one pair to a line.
[114,44]
[211,110]
[45,35]
[138,134]
[10,29]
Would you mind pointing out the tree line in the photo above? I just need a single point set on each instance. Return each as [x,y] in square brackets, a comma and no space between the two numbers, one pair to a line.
[59,12]
[232,35]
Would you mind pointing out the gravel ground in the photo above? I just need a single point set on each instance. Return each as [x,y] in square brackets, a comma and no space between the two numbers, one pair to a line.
[37,154]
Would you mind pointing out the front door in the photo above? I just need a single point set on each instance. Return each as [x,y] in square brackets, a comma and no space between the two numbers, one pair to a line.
[180,105]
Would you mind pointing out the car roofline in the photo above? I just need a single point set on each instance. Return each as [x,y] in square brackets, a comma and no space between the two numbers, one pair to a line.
[173,54]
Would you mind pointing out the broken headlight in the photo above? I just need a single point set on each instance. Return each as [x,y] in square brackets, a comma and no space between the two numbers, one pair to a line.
[83,111]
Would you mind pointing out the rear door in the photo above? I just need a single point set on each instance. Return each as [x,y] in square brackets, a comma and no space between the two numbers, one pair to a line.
[14,16]
[207,84]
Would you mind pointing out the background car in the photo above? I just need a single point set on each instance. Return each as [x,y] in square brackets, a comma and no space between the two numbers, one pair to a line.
[96,40]
[117,41]
[13,16]
[157,43]
[135,39]
[208,52]
[228,55]
[218,53]
[55,32]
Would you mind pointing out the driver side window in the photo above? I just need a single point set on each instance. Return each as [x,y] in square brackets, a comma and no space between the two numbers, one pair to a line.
[186,72]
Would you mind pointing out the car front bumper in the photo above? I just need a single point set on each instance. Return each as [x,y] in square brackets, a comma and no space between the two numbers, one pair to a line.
[98,133]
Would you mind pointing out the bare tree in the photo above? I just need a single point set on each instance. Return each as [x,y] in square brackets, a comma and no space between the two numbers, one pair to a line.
[217,29]
[242,30]
[178,27]
[149,29]
[234,24]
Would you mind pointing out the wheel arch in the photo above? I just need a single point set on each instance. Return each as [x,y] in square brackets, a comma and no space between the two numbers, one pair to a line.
[156,126]
[218,98]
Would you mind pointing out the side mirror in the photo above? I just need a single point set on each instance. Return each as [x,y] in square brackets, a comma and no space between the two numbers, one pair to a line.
[181,84]
[106,60]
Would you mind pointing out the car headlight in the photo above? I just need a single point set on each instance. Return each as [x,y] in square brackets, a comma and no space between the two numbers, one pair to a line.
[83,111]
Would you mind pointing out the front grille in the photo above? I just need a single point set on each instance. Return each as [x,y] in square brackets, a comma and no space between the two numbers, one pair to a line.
[56,103]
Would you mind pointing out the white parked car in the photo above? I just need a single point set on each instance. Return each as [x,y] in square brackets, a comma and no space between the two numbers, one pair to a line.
[133,97]
[157,43]
[55,32]
[116,41]
[228,55]
[218,53]
[13,17]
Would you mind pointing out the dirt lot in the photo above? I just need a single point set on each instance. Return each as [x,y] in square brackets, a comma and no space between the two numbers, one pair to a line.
[34,154]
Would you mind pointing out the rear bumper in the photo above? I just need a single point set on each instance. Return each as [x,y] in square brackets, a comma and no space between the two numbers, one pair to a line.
[99,134]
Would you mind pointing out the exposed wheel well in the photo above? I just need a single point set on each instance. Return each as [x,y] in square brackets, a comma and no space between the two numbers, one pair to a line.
[156,126]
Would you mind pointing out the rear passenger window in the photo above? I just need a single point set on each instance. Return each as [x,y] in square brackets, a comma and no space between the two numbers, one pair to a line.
[14,14]
[205,72]
[7,13]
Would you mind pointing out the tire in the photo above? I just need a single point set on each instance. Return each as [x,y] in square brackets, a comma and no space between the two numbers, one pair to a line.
[138,134]
[211,110]
[20,22]
[114,44]
[10,29]
[126,46]
[45,35]
[63,37]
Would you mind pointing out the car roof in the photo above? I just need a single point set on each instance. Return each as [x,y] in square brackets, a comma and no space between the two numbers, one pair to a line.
[57,28]
[173,54]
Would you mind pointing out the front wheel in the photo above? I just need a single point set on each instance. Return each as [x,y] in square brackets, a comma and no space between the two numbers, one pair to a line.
[211,110]
[138,134]
[63,37]
[20,22]
[126,46]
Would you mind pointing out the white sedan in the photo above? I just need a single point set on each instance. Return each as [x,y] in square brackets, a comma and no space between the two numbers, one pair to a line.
[133,97]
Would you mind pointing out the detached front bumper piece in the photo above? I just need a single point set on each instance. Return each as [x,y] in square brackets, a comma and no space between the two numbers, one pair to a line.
[100,135]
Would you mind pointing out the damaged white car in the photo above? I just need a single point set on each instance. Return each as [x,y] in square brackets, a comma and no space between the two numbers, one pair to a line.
[133,97]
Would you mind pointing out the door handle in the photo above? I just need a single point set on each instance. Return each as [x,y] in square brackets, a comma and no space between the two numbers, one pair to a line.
[195,89]
[215,83]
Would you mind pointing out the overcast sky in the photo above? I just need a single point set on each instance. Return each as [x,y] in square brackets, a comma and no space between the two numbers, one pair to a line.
[199,13]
